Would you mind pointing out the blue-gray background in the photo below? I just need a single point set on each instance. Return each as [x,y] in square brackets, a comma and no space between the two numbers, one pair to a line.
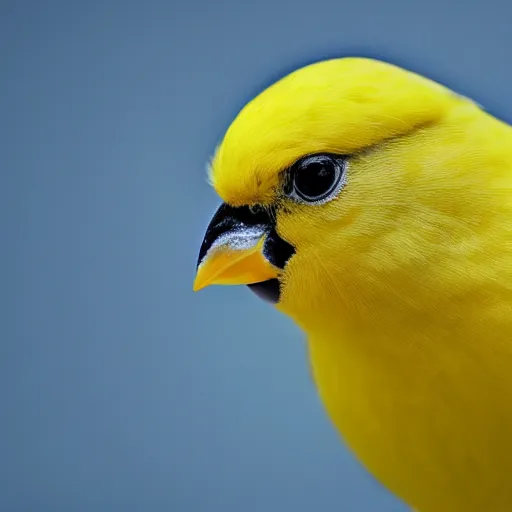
[120,388]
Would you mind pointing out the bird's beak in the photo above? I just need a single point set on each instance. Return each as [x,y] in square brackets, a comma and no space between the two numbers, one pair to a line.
[232,251]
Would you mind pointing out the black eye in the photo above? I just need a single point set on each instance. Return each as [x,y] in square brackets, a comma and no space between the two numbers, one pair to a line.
[316,178]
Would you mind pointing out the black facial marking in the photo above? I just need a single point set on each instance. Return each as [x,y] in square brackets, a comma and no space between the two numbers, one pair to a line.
[276,250]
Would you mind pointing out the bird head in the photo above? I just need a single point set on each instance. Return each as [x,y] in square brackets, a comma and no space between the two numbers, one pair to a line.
[317,174]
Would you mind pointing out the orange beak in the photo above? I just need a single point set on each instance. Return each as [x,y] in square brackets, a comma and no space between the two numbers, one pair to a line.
[232,252]
[227,264]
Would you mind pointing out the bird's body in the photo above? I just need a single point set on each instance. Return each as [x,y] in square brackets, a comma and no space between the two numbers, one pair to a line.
[401,280]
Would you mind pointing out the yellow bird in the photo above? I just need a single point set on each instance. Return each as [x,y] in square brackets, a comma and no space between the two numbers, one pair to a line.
[374,207]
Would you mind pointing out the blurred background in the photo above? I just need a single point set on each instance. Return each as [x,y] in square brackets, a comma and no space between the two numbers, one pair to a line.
[120,388]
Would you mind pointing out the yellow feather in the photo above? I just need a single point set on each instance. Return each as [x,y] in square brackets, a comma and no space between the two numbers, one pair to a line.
[339,105]
[403,284]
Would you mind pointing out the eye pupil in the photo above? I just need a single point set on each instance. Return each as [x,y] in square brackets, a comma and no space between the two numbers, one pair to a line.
[316,176]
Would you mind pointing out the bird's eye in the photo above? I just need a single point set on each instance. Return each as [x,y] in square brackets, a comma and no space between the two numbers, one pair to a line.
[316,178]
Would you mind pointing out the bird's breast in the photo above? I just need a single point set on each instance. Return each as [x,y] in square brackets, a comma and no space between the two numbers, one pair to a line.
[433,426]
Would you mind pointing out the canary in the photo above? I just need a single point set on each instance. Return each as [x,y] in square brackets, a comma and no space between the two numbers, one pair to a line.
[373,206]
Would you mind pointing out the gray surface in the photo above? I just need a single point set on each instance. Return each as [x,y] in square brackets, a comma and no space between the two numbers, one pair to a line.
[120,388]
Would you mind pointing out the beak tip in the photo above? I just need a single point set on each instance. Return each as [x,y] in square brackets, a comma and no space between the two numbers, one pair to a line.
[197,285]
[200,281]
